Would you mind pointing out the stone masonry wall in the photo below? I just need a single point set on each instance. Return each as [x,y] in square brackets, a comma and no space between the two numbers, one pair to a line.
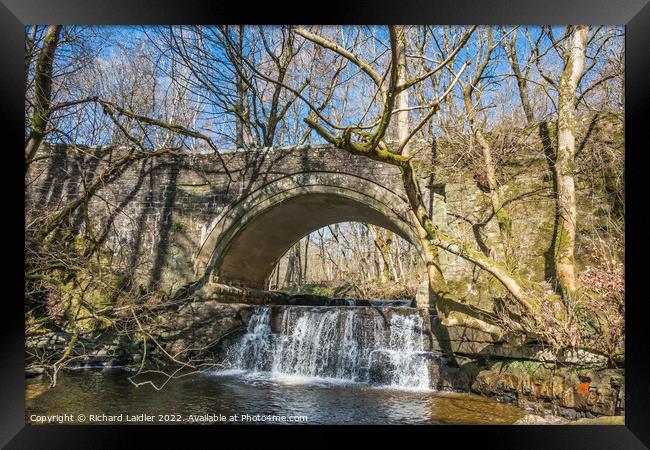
[155,215]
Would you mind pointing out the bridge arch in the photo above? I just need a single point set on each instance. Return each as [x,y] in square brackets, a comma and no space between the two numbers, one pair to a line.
[250,236]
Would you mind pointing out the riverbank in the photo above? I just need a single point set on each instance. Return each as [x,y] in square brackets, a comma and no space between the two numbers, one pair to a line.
[571,392]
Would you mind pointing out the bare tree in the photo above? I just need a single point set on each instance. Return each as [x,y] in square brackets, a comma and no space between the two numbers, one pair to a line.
[472,92]
[374,146]
[42,92]
[571,49]
[565,240]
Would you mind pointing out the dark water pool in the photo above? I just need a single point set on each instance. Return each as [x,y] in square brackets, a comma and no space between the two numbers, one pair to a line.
[109,397]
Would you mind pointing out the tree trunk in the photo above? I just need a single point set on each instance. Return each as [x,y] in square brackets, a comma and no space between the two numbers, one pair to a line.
[42,92]
[239,139]
[324,263]
[522,81]
[501,214]
[298,262]
[338,251]
[564,251]
[383,245]
[29,50]
[290,273]
[398,256]
[393,267]
[401,120]
[306,257]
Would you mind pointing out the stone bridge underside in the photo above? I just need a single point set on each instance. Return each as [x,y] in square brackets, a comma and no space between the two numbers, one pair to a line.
[250,237]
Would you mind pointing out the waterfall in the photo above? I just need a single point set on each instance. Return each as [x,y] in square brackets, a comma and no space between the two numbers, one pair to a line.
[355,344]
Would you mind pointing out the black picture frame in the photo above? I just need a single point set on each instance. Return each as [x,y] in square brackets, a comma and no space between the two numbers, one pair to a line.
[635,15]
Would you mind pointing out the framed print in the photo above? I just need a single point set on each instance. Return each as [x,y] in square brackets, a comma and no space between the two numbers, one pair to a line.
[236,216]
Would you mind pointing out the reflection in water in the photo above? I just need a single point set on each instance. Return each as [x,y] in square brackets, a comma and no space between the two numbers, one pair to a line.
[322,402]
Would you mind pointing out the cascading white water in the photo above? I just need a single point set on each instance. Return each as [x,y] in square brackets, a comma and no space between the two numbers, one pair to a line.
[405,351]
[352,344]
[253,349]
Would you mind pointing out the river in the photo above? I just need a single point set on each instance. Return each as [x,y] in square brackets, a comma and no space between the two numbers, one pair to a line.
[211,398]
[295,364]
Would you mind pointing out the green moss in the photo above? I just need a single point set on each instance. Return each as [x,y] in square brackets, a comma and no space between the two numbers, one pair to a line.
[563,245]
[459,288]
[525,366]
[178,226]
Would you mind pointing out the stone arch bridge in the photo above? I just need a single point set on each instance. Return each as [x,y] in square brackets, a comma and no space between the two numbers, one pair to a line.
[179,219]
